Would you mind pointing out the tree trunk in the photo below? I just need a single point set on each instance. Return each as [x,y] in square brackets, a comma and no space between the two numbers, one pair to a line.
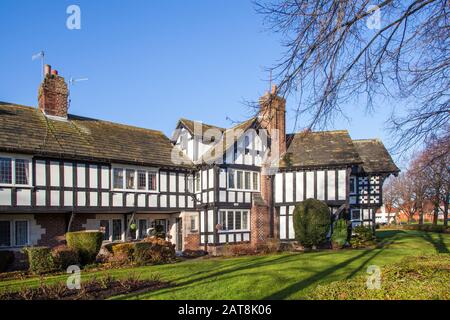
[421,217]
[446,209]
[436,214]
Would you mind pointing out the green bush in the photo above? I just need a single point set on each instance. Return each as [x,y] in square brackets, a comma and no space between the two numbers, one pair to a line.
[63,257]
[340,233]
[153,250]
[40,260]
[418,278]
[6,259]
[86,243]
[362,236]
[311,222]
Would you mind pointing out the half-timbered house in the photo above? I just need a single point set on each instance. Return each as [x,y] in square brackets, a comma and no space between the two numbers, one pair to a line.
[204,187]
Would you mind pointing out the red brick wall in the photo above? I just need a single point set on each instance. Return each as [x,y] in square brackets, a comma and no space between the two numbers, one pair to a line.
[55,228]
[192,242]
[259,224]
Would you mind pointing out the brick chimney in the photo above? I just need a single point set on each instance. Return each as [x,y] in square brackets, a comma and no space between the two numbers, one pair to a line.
[272,117]
[53,94]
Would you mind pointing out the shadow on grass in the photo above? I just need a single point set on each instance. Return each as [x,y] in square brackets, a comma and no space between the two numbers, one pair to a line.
[438,244]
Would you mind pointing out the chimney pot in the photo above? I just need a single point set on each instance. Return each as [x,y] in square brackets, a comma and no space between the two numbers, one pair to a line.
[55,72]
[47,69]
[274,89]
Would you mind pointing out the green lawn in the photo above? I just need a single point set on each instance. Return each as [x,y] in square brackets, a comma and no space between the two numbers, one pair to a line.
[276,276]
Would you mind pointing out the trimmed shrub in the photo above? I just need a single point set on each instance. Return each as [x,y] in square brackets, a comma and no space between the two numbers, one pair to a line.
[40,260]
[427,228]
[154,250]
[311,223]
[362,236]
[64,257]
[86,243]
[413,278]
[123,253]
[6,259]
[340,233]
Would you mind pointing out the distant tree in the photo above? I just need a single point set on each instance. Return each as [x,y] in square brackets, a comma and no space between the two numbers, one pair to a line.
[390,198]
[346,50]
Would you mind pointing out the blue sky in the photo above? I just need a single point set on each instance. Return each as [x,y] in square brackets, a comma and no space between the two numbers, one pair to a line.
[152,62]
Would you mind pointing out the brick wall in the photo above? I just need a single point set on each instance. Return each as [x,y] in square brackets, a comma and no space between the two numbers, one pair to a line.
[55,228]
[53,95]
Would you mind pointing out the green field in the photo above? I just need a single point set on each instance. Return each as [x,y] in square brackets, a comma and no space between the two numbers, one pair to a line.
[275,276]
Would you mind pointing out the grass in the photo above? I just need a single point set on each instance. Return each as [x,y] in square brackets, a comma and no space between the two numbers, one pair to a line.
[276,276]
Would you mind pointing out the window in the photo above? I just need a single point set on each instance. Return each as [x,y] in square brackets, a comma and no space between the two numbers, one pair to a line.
[352,185]
[247,144]
[21,233]
[255,181]
[5,170]
[130,178]
[243,180]
[117,230]
[230,221]
[118,178]
[22,171]
[234,220]
[5,234]
[197,182]
[193,224]
[237,220]
[245,220]
[142,229]
[356,214]
[104,227]
[247,180]
[20,236]
[152,181]
[239,180]
[231,179]
[134,179]
[142,180]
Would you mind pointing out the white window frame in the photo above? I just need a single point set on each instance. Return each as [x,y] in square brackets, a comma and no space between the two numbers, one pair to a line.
[136,169]
[13,158]
[12,233]
[243,180]
[233,212]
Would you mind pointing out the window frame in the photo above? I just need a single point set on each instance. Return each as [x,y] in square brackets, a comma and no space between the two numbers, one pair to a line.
[13,158]
[233,213]
[12,233]
[243,173]
[136,170]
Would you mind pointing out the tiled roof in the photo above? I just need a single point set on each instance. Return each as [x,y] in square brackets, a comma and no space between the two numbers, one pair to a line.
[324,148]
[375,156]
[26,129]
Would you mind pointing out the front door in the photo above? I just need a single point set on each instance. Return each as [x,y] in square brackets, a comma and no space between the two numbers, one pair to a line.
[179,244]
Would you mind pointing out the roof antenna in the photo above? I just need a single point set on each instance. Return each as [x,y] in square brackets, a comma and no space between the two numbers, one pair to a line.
[270,81]
[40,55]
[72,82]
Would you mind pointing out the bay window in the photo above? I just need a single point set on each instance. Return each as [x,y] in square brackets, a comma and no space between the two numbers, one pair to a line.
[134,179]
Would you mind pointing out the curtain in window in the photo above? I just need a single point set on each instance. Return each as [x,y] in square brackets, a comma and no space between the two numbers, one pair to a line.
[130,179]
[118,178]
[152,180]
[245,220]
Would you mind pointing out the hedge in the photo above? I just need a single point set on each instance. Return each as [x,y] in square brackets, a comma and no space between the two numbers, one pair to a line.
[86,243]
[64,257]
[40,260]
[311,222]
[418,278]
